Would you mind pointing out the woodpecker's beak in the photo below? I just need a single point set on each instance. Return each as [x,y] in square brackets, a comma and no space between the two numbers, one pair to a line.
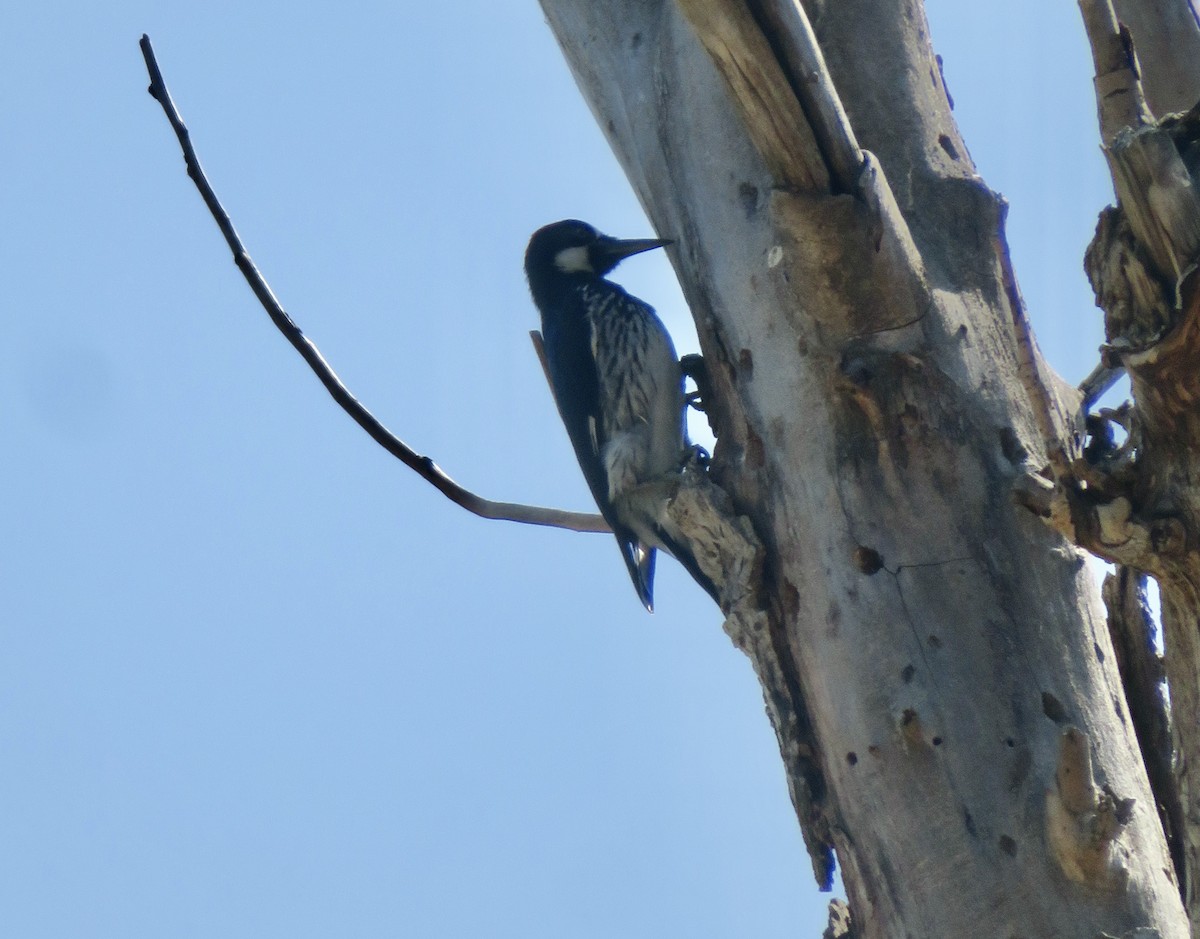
[616,250]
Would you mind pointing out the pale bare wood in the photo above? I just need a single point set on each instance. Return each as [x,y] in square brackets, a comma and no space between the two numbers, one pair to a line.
[1120,102]
[1159,197]
[785,25]
[753,78]
[1153,186]
[1166,34]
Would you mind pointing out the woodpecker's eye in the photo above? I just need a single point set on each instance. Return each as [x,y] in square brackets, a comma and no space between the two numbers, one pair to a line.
[580,233]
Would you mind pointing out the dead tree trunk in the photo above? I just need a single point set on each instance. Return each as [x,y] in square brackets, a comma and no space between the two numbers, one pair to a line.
[935,659]
[1143,506]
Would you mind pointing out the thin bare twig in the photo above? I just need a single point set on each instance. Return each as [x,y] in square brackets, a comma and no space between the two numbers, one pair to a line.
[422,465]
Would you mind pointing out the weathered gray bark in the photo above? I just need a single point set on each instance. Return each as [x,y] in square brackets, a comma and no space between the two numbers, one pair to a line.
[1144,506]
[1166,34]
[935,659]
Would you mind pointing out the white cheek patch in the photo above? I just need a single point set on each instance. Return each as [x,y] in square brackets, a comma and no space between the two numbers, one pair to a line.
[573,260]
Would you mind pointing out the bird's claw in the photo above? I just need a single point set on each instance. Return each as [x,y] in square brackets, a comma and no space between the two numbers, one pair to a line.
[696,456]
[694,367]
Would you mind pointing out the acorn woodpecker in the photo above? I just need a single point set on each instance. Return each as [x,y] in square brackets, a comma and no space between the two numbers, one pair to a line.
[618,386]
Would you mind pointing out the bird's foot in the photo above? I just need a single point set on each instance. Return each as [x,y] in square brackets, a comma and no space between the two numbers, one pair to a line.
[693,366]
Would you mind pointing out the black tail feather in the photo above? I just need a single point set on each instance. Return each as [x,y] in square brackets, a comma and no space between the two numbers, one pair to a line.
[641,570]
[639,560]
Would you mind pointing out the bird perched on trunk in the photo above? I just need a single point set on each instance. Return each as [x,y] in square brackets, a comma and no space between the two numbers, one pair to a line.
[618,386]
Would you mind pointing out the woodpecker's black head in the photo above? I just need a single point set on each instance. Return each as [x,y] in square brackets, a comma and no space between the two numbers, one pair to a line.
[572,247]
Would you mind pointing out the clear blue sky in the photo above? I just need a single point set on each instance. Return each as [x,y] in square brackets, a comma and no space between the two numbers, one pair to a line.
[258,680]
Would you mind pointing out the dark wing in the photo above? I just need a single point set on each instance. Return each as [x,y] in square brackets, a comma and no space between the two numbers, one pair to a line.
[576,387]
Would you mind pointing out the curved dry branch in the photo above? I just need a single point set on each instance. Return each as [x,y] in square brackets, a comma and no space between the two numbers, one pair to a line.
[422,465]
